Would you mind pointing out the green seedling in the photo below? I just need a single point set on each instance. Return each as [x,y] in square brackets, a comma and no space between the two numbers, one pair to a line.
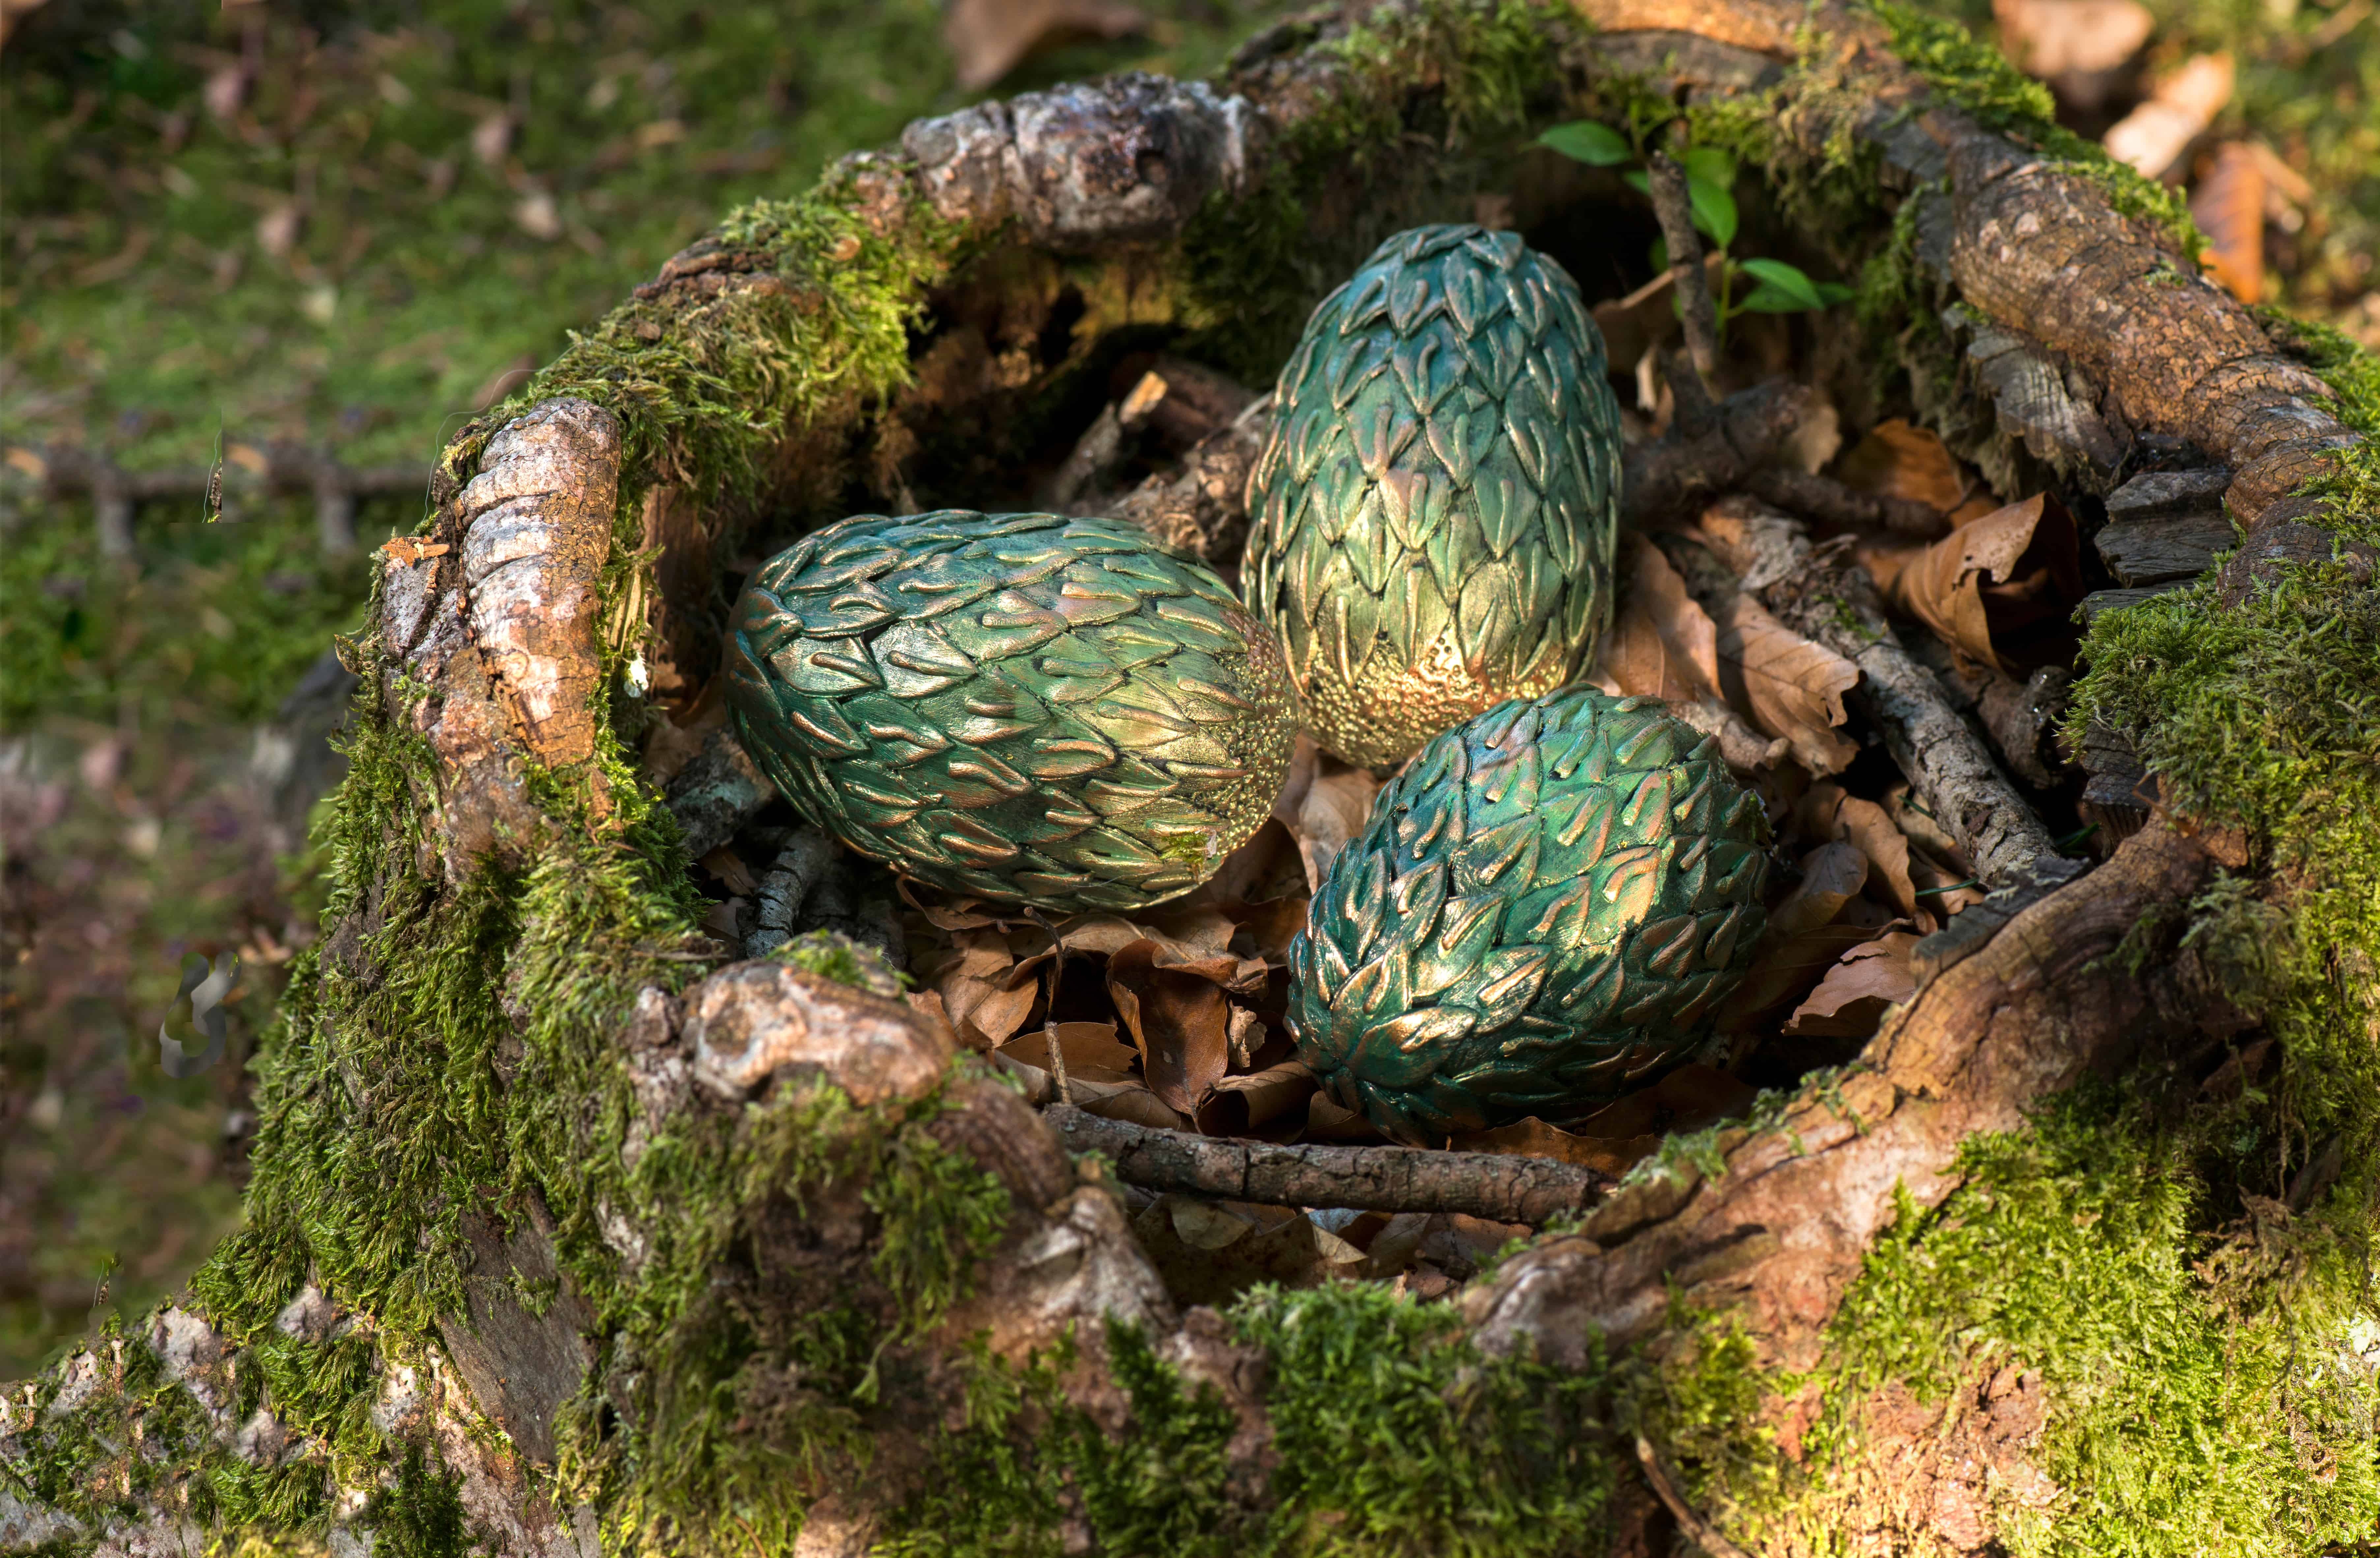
[1777,288]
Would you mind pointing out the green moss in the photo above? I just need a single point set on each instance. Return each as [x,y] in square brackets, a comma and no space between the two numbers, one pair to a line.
[831,954]
[1425,97]
[2352,371]
[1974,75]
[419,1514]
[1393,1436]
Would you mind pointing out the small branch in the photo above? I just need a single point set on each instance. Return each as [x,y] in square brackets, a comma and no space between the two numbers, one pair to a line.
[1822,497]
[1494,1186]
[1673,477]
[1697,1529]
[1822,595]
[1675,208]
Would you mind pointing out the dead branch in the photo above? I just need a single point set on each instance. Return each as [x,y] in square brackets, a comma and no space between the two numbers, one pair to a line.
[1821,594]
[1699,313]
[1495,1185]
[1665,480]
[1203,509]
[1822,497]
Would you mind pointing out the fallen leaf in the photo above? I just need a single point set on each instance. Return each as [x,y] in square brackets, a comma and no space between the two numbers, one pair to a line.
[1983,584]
[1789,686]
[1827,812]
[1459,1245]
[975,986]
[989,38]
[1942,891]
[1331,810]
[1850,1001]
[1236,1105]
[1920,827]
[1804,936]
[1533,1138]
[1832,876]
[1129,1102]
[1645,317]
[2072,43]
[1178,1017]
[2228,206]
[1663,644]
[1897,459]
[2153,136]
[1091,1051]
[729,868]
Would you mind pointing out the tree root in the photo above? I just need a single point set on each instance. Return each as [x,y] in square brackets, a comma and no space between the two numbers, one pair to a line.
[1500,1187]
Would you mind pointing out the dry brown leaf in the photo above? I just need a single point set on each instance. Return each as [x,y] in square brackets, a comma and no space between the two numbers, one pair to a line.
[989,38]
[1806,933]
[1533,1138]
[1237,1106]
[2153,136]
[1942,890]
[1091,1051]
[1332,810]
[1983,584]
[1826,812]
[1130,1102]
[2228,206]
[730,869]
[1850,1001]
[1832,876]
[2052,39]
[1663,644]
[1178,1017]
[1784,684]
[1897,459]
[1920,827]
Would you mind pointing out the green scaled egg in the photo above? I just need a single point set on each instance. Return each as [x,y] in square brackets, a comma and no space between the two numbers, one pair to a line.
[1432,520]
[1024,707]
[1544,908]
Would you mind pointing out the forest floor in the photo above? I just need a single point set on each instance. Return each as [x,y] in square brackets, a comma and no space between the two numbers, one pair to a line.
[347,226]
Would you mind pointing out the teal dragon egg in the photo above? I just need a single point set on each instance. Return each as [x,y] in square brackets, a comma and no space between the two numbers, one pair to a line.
[1431,523]
[1023,707]
[1544,907]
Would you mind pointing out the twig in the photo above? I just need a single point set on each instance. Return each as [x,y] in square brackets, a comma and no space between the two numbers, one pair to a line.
[1494,1186]
[1699,1531]
[1822,497]
[1673,476]
[1675,208]
[1823,596]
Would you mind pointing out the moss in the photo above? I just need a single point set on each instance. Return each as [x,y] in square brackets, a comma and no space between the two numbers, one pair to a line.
[831,954]
[1423,97]
[1976,77]
[1393,1436]
[2352,371]
[419,1513]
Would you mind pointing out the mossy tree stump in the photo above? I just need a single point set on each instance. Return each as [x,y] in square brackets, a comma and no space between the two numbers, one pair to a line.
[563,1236]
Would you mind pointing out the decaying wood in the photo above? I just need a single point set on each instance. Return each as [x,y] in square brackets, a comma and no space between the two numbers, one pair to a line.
[1821,594]
[1495,1185]
[1672,477]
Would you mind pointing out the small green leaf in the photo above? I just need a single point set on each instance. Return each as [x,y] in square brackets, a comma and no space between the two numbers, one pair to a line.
[1770,298]
[1833,292]
[1595,145]
[1659,253]
[1789,279]
[1713,210]
[1710,164]
[1637,178]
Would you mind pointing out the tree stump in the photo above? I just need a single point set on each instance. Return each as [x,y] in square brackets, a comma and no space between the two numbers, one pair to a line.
[570,1230]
